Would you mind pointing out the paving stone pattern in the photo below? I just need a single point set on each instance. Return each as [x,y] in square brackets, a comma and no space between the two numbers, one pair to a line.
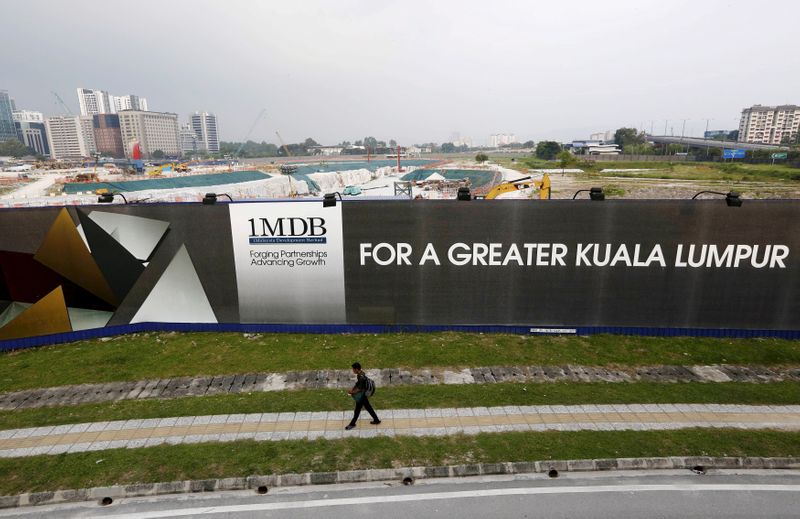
[85,437]
[339,379]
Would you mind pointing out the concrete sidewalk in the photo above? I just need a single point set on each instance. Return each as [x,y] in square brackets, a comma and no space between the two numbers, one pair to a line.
[398,422]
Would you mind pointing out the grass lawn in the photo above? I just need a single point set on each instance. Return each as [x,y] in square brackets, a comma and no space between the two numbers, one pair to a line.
[217,460]
[669,170]
[160,355]
[414,397]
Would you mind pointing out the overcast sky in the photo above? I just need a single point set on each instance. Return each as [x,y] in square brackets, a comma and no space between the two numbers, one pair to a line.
[414,71]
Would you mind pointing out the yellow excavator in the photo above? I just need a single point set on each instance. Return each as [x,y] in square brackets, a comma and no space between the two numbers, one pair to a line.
[519,184]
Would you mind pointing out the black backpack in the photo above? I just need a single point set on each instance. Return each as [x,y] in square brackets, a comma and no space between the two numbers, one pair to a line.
[369,390]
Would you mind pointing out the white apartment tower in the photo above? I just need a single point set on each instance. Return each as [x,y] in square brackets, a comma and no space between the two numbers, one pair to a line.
[94,101]
[204,125]
[128,102]
[70,137]
[101,102]
[152,130]
[500,139]
[770,124]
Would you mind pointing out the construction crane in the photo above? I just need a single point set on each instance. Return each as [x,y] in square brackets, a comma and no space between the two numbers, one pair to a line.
[285,148]
[252,127]
[61,102]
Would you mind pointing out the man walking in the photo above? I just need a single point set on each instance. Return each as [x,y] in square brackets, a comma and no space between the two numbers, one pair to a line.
[359,394]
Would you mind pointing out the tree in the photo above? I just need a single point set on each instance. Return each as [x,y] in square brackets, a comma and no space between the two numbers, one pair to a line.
[565,158]
[448,147]
[157,154]
[370,142]
[392,143]
[14,148]
[528,144]
[547,150]
[310,143]
[481,157]
[627,136]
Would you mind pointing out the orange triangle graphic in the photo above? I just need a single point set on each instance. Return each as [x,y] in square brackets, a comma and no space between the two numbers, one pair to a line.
[63,251]
[47,315]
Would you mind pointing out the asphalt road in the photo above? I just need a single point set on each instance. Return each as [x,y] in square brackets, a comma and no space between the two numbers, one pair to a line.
[592,495]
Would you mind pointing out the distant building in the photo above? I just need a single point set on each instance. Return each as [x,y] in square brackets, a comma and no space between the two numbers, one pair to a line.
[94,102]
[27,116]
[603,149]
[68,137]
[152,130]
[605,136]
[128,102]
[101,102]
[7,128]
[501,139]
[715,134]
[33,135]
[770,124]
[190,144]
[204,125]
[107,135]
[326,151]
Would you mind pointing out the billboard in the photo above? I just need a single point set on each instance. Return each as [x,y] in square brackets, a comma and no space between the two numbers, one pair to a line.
[619,264]
[733,154]
[783,155]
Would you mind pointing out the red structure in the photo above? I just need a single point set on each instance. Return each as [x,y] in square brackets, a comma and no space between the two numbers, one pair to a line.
[136,153]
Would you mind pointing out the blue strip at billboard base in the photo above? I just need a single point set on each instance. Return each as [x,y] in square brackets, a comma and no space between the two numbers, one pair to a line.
[44,340]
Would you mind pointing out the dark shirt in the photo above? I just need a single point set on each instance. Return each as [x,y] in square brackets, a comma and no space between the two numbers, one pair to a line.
[361,382]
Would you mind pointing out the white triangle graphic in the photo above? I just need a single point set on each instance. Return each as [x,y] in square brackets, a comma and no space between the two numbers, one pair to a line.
[178,296]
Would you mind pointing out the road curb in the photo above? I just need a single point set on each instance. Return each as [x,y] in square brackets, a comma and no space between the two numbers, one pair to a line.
[407,475]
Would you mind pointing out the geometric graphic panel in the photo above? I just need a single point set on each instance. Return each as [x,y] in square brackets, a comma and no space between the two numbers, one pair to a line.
[119,267]
[46,316]
[178,296]
[63,251]
[27,281]
[79,318]
[138,235]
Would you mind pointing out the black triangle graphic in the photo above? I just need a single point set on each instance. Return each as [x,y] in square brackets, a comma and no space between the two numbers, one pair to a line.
[118,266]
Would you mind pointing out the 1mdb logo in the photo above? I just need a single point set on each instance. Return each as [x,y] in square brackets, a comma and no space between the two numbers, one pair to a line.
[292,229]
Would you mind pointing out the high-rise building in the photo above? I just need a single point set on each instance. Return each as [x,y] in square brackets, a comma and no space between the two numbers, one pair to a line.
[27,116]
[204,125]
[152,130]
[500,139]
[190,144]
[128,102]
[7,128]
[107,135]
[94,102]
[770,124]
[68,137]
[33,135]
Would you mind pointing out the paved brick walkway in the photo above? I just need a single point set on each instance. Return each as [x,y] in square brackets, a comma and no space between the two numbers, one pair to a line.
[337,379]
[414,422]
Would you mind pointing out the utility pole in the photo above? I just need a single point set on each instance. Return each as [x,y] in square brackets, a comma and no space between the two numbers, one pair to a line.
[705,136]
[683,131]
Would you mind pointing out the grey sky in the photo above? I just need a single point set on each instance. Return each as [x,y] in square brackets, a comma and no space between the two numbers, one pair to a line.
[411,70]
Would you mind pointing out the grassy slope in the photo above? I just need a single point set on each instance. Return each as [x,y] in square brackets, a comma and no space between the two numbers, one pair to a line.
[143,356]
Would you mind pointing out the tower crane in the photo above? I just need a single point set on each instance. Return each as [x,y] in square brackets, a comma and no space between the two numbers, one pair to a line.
[61,102]
[252,127]
[285,148]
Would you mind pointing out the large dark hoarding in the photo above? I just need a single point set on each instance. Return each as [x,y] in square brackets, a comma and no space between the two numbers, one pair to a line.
[570,264]
[670,264]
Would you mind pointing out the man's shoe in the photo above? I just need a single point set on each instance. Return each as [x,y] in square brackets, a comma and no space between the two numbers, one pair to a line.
[375,422]
[348,427]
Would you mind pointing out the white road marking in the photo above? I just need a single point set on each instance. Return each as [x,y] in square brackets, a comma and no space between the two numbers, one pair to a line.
[436,496]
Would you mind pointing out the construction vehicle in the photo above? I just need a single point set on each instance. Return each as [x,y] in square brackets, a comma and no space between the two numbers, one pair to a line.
[283,144]
[160,169]
[521,184]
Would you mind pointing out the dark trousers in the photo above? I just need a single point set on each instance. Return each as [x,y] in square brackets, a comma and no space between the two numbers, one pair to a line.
[363,402]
